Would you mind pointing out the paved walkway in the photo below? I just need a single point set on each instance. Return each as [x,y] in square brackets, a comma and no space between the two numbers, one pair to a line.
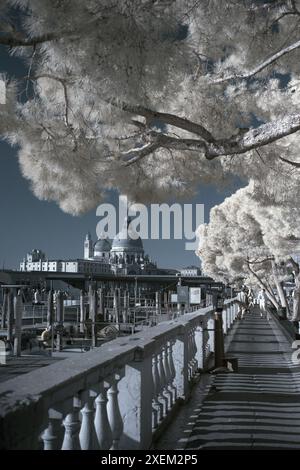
[256,408]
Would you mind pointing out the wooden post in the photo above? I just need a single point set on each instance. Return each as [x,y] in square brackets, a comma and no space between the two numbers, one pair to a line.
[90,296]
[10,317]
[50,317]
[59,319]
[219,340]
[4,309]
[92,314]
[166,300]
[82,312]
[18,311]
[116,305]
[101,303]
[157,303]
[126,305]
[50,310]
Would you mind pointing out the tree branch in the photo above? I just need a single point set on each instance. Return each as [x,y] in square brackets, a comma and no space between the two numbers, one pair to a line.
[261,261]
[295,164]
[252,139]
[166,118]
[257,137]
[261,66]
[17,39]
[295,266]
[264,286]
[138,153]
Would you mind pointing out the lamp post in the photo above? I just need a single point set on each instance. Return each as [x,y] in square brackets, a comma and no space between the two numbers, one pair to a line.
[218,304]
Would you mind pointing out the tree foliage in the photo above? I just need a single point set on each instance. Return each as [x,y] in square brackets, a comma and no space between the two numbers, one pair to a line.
[152,97]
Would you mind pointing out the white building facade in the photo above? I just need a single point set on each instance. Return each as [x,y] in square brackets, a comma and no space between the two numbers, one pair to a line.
[125,255]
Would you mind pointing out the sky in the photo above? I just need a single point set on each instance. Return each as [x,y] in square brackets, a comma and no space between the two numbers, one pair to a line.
[27,223]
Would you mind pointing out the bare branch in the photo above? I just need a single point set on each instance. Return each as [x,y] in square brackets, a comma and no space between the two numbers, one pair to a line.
[295,164]
[261,261]
[252,139]
[257,137]
[62,81]
[295,265]
[166,118]
[139,153]
[18,39]
[261,66]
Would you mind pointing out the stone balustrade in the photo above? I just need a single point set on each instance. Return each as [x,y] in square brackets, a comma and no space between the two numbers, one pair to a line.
[114,397]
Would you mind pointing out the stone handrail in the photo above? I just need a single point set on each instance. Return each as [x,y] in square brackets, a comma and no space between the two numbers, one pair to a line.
[113,397]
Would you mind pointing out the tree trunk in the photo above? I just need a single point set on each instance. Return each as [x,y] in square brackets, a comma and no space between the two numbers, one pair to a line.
[296,294]
[296,300]
[280,290]
[269,294]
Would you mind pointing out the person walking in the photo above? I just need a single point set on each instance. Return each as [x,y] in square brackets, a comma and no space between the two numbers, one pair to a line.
[262,302]
[243,301]
[250,299]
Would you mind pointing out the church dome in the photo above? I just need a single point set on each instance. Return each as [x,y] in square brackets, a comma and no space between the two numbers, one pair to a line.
[102,245]
[127,240]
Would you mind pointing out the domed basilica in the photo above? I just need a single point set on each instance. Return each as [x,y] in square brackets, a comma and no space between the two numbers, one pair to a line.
[125,255]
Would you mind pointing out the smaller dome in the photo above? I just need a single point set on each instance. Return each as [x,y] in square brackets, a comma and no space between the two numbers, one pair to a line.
[103,244]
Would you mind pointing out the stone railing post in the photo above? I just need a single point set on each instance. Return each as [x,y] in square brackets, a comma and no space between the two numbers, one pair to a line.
[180,357]
[211,334]
[135,399]
[199,340]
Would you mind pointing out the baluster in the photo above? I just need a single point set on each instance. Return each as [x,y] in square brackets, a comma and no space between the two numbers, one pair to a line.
[102,426]
[51,434]
[158,408]
[189,355]
[162,382]
[167,375]
[87,435]
[49,437]
[172,368]
[194,347]
[71,424]
[113,410]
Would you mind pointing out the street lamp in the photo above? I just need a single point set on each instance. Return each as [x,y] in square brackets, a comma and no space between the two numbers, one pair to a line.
[218,305]
[218,301]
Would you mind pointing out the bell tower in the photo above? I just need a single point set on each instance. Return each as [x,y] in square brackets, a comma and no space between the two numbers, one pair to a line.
[88,246]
